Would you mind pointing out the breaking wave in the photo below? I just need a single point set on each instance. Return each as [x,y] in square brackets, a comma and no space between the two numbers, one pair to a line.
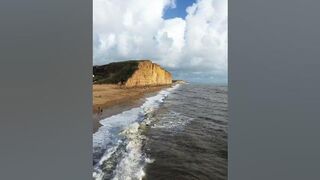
[117,145]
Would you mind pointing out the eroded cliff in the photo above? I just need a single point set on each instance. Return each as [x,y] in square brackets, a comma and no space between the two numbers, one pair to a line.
[132,74]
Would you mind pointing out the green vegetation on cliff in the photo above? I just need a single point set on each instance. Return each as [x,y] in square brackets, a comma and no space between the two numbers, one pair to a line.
[114,73]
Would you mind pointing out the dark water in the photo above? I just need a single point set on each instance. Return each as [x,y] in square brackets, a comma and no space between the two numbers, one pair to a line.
[180,133]
[188,139]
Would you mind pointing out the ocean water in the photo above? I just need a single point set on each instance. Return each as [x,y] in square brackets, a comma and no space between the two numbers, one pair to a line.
[179,133]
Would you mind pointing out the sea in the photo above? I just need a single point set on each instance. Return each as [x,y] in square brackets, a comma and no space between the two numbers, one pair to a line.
[178,133]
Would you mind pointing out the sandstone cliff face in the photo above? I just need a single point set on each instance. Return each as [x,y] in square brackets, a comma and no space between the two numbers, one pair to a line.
[149,74]
[132,74]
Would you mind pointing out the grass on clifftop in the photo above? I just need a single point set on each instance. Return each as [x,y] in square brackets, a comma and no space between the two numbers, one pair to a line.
[114,73]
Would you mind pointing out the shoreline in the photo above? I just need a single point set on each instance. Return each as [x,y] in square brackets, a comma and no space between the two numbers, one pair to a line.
[114,99]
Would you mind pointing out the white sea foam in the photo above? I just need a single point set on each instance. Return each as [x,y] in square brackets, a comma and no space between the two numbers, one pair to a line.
[172,120]
[122,130]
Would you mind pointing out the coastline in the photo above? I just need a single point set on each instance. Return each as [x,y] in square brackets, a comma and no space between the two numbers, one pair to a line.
[113,99]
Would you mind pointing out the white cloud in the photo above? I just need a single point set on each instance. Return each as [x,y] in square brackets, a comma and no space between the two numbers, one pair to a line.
[135,29]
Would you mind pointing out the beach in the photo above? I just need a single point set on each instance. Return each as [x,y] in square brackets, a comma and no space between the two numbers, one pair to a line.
[113,99]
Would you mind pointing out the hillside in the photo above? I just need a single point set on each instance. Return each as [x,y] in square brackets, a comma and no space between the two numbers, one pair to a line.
[132,74]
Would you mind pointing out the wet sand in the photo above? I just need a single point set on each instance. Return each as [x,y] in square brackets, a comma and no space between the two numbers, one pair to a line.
[114,99]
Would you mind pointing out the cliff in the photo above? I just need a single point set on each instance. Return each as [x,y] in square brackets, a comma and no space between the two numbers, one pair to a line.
[132,74]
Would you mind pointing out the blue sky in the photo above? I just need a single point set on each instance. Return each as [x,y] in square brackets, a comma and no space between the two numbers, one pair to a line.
[179,10]
[187,37]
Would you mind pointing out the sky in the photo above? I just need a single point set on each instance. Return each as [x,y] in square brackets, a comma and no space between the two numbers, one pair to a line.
[179,10]
[189,38]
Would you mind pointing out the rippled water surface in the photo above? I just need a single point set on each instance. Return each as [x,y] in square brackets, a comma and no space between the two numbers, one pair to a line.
[180,133]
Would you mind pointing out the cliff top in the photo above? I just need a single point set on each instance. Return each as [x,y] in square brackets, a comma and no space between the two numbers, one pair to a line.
[119,72]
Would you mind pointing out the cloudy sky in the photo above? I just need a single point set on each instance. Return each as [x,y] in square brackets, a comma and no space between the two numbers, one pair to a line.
[187,37]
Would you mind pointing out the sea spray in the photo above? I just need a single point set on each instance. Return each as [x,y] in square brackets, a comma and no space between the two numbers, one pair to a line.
[117,145]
